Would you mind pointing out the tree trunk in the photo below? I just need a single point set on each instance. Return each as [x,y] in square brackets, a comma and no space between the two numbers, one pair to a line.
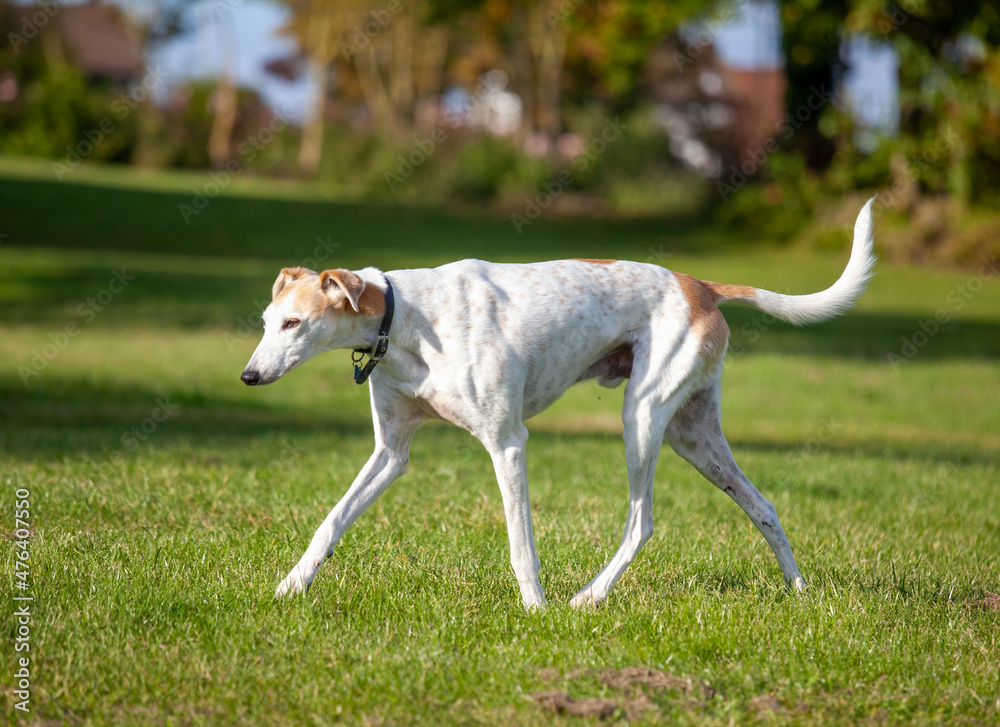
[374,91]
[547,41]
[400,67]
[223,121]
[434,46]
[225,106]
[523,78]
[311,144]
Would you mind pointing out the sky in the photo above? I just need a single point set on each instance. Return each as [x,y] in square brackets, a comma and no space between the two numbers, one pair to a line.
[248,32]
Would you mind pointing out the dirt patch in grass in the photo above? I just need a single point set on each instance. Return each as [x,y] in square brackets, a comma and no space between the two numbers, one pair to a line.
[635,684]
[562,703]
[642,676]
[990,602]
[765,703]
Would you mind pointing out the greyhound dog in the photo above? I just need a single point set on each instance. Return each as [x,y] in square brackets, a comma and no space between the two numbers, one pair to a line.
[487,346]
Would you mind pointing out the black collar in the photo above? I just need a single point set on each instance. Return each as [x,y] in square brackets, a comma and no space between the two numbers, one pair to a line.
[377,352]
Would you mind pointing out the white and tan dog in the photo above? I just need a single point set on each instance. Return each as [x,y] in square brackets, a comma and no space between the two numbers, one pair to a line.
[488,346]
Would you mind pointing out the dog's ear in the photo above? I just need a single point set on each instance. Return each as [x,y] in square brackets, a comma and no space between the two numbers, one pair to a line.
[349,284]
[286,276]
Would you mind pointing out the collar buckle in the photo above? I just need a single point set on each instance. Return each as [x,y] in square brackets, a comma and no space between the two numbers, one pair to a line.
[378,351]
[380,348]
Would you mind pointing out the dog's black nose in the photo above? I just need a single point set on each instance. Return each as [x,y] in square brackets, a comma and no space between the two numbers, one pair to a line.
[250,378]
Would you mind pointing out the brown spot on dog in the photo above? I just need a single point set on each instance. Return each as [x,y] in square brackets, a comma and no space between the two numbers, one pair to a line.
[594,260]
[316,293]
[310,300]
[372,302]
[721,291]
[704,316]
[286,276]
[699,298]
[366,299]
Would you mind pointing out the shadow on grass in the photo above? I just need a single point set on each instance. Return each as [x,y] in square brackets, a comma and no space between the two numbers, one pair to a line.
[889,581]
[80,417]
[109,218]
[67,416]
[863,336]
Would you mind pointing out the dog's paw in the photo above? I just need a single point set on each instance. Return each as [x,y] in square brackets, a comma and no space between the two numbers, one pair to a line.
[799,584]
[583,599]
[291,586]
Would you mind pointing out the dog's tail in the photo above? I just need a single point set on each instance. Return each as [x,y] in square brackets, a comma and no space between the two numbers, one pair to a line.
[803,309]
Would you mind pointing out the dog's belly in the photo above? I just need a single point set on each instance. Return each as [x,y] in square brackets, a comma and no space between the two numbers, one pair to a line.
[542,388]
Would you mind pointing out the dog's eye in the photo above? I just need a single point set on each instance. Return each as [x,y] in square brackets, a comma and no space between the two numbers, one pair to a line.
[290,323]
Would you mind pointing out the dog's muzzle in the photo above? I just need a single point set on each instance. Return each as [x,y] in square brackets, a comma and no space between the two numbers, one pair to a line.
[250,378]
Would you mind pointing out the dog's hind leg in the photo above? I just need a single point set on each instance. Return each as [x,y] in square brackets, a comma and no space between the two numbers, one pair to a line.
[395,426]
[695,433]
[663,374]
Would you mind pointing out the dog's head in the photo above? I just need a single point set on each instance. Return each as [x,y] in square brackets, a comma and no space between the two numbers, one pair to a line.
[309,313]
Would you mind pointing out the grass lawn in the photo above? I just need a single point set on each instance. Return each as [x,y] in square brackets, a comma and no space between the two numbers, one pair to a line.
[167,500]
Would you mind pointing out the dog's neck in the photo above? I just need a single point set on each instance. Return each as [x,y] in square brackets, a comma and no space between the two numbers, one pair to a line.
[359,331]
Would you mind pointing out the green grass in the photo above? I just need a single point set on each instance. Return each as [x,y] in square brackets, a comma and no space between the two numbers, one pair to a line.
[153,566]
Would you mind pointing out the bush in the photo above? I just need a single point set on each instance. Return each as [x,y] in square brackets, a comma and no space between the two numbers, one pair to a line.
[483,167]
[59,116]
[779,204]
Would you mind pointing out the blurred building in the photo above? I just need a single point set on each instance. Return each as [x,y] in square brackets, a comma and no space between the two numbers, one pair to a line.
[714,113]
[93,37]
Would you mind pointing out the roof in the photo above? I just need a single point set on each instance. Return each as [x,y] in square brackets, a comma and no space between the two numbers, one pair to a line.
[94,37]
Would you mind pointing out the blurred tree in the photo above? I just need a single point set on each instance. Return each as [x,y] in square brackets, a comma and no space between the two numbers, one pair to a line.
[949,78]
[379,50]
[224,101]
[382,50]
[811,38]
[611,40]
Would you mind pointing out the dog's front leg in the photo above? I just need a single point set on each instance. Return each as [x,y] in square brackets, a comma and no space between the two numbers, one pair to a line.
[508,456]
[387,463]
